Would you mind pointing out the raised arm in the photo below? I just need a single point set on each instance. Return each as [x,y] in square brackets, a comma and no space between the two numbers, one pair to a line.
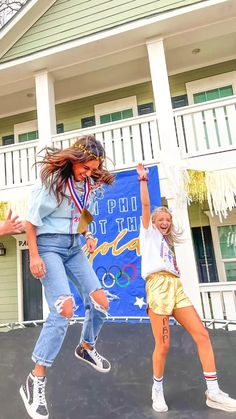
[144,194]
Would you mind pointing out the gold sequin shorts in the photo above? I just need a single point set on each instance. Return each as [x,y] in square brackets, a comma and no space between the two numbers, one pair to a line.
[165,293]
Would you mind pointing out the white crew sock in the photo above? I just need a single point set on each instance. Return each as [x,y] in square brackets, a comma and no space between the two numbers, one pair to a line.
[158,383]
[211,382]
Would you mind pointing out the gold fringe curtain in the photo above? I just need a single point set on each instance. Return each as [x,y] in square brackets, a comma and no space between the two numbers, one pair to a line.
[196,186]
[18,205]
[218,188]
[4,208]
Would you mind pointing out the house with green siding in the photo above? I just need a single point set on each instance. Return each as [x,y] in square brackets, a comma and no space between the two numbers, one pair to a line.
[155,81]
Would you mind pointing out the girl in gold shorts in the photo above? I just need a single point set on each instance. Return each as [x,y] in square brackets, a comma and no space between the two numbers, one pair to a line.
[165,297]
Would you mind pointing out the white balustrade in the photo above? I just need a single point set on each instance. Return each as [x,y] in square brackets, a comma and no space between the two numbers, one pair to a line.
[17,164]
[126,142]
[206,128]
[201,130]
[219,301]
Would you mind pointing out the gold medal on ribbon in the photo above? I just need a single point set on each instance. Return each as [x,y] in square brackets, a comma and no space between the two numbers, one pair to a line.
[85,219]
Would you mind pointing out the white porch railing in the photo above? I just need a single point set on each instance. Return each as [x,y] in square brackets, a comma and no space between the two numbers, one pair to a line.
[17,164]
[126,142]
[206,128]
[219,301]
[201,130]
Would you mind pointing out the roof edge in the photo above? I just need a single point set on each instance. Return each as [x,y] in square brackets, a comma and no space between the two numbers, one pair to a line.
[21,22]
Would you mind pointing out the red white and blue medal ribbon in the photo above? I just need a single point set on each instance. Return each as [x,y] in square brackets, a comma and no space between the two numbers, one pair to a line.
[80,202]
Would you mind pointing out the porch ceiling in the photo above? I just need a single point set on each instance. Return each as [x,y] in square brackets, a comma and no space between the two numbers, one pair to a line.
[103,64]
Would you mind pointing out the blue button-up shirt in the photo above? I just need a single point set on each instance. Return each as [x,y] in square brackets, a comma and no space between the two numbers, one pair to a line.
[49,217]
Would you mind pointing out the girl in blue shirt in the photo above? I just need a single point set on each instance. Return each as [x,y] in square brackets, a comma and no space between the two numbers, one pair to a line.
[59,212]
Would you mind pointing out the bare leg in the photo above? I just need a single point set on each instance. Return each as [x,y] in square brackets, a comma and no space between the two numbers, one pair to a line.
[161,333]
[39,370]
[190,320]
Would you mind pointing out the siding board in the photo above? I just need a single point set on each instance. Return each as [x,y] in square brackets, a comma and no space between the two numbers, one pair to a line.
[69,20]
[8,282]
[8,296]
[10,285]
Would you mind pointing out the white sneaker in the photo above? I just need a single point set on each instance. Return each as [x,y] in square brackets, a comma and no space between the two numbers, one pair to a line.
[93,358]
[33,396]
[221,401]
[158,400]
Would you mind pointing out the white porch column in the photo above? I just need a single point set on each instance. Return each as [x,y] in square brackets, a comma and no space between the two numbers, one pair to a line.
[45,102]
[186,258]
[161,91]
[171,158]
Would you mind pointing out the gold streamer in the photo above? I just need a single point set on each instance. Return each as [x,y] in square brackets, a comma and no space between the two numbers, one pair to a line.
[4,208]
[196,187]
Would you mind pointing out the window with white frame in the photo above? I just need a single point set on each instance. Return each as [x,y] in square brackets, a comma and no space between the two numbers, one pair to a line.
[26,131]
[224,242]
[227,241]
[116,110]
[211,88]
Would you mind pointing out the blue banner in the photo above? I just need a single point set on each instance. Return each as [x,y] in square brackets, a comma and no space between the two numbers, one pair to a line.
[116,259]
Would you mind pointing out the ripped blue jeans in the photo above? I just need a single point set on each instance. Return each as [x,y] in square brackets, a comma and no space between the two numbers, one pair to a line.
[65,260]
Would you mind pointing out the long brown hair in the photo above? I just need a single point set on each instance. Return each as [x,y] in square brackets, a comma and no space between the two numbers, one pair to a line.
[174,235]
[56,165]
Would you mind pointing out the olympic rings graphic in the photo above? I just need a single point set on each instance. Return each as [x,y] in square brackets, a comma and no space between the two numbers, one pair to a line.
[125,284]
[115,275]
[131,266]
[113,280]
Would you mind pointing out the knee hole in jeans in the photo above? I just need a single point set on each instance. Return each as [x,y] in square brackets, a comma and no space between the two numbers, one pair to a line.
[98,305]
[65,306]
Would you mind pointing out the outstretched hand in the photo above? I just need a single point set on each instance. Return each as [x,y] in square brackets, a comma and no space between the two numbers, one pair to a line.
[142,172]
[11,225]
